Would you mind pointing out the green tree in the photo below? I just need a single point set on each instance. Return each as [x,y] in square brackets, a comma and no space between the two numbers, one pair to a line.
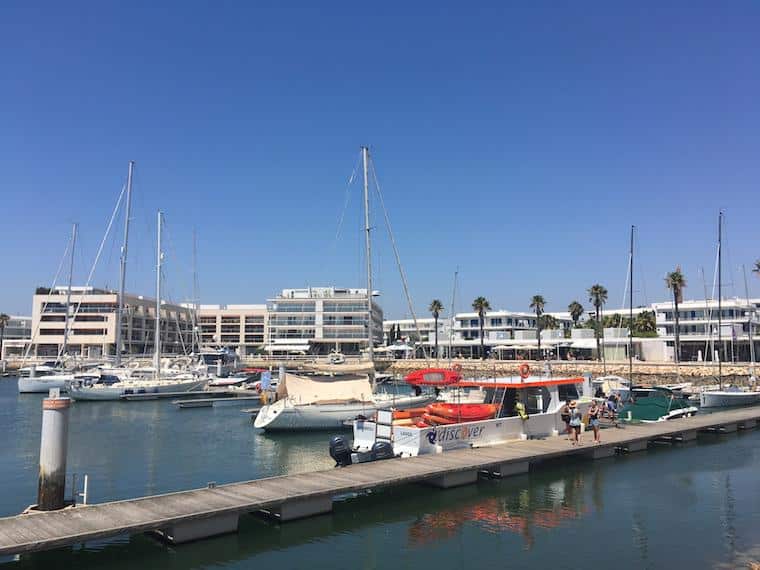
[436,308]
[576,310]
[548,322]
[3,322]
[644,324]
[676,282]
[597,296]
[480,305]
[537,303]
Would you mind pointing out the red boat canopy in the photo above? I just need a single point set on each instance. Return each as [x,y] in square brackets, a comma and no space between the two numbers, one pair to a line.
[433,377]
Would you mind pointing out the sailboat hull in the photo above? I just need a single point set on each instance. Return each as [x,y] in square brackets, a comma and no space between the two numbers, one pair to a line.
[119,390]
[283,416]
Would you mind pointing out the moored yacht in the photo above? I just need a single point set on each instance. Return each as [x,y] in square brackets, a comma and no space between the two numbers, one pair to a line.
[327,402]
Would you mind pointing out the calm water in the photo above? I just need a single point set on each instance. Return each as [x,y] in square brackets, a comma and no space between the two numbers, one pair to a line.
[695,506]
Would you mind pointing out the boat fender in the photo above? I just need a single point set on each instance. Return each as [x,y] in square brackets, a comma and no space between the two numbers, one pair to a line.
[340,451]
[524,370]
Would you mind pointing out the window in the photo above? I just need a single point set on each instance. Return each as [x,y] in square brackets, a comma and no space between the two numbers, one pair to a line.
[53,318]
[496,322]
[231,320]
[91,318]
[95,332]
[567,392]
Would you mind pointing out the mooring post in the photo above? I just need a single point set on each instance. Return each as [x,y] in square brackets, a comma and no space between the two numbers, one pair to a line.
[281,377]
[53,448]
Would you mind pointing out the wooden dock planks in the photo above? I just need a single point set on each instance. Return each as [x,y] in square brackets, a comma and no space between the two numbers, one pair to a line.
[41,531]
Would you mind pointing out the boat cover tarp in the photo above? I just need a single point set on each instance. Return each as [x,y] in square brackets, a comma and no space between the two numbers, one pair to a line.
[330,390]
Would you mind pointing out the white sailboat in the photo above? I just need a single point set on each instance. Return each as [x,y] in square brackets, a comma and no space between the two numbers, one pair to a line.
[329,402]
[41,380]
[733,395]
[120,382]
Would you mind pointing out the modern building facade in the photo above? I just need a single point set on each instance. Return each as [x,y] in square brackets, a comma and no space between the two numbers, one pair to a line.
[317,320]
[241,328]
[698,328]
[16,335]
[91,317]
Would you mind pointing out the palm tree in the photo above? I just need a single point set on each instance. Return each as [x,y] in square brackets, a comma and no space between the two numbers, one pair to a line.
[436,308]
[537,304]
[3,321]
[576,310]
[480,306]
[597,296]
[676,282]
[756,268]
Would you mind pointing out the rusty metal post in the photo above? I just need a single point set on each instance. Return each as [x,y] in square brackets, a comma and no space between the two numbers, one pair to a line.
[53,448]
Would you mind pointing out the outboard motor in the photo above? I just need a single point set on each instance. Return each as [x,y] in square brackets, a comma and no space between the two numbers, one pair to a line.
[382,450]
[340,451]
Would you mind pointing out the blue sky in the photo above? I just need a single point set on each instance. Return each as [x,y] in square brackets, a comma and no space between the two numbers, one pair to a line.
[516,141]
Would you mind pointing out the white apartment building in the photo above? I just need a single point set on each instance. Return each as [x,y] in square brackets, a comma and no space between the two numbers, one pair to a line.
[92,324]
[316,320]
[16,336]
[241,328]
[698,328]
[499,328]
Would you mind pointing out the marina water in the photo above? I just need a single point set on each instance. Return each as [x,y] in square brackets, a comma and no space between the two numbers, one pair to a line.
[695,506]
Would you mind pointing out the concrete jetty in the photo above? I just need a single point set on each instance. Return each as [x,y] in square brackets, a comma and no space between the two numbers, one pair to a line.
[191,515]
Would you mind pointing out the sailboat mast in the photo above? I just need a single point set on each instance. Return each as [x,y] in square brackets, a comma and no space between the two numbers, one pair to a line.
[451,318]
[751,311]
[67,326]
[720,299]
[157,339]
[368,255]
[630,315]
[196,341]
[123,266]
[709,343]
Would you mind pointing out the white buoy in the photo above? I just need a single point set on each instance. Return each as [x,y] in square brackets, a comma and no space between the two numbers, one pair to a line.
[53,449]
[219,368]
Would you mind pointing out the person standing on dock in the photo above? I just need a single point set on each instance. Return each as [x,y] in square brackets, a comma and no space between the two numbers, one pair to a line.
[564,414]
[575,423]
[593,418]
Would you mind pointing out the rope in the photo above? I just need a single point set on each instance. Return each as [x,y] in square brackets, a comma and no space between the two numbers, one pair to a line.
[398,260]
[97,255]
[52,285]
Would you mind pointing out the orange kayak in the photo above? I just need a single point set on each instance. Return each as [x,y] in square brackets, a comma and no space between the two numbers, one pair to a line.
[463,412]
[407,414]
[431,419]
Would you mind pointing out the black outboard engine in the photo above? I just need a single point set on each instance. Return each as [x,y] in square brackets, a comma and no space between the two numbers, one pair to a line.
[340,451]
[382,450]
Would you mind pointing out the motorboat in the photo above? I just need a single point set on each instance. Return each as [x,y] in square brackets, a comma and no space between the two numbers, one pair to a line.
[328,402]
[236,380]
[44,383]
[612,384]
[730,396]
[515,408]
[655,405]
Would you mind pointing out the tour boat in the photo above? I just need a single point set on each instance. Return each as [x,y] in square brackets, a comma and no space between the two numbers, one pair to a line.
[655,405]
[327,402]
[541,400]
